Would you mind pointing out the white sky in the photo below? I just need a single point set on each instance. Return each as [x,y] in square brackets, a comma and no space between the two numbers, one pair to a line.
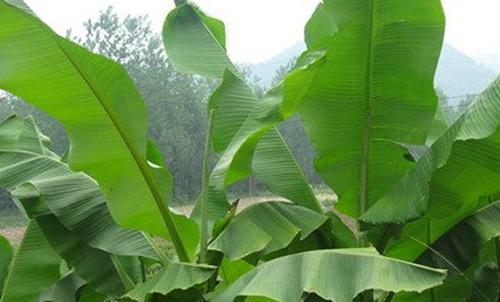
[260,29]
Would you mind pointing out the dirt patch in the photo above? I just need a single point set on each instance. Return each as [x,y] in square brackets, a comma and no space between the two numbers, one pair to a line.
[14,234]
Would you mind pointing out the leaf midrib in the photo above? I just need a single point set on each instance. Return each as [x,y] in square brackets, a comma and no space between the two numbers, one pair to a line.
[363,190]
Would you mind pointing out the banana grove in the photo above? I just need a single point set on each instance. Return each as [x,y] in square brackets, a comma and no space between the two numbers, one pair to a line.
[419,197]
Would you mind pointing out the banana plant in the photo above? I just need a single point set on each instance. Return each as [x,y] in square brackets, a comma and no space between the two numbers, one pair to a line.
[418,212]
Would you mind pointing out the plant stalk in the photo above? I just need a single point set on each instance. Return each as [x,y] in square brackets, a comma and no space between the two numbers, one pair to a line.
[386,297]
[167,218]
[158,251]
[497,249]
[497,245]
[428,242]
[127,282]
[204,190]
[363,194]
[364,173]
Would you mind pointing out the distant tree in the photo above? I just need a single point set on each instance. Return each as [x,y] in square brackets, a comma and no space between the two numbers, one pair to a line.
[283,70]
[452,108]
[176,102]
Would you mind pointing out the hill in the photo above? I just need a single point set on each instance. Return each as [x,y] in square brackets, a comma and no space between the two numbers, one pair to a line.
[457,75]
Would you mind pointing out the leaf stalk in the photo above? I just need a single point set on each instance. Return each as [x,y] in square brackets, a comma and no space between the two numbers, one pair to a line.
[204,189]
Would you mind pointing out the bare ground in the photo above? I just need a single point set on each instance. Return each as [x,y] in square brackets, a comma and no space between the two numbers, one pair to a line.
[13,234]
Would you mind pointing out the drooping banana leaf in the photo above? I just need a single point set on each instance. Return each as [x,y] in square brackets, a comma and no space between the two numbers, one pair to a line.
[461,245]
[440,124]
[89,295]
[69,207]
[374,92]
[176,276]
[471,172]
[64,290]
[478,284]
[230,271]
[457,250]
[321,26]
[326,273]
[272,162]
[275,166]
[195,43]
[106,273]
[103,113]
[29,170]
[34,268]
[6,254]
[487,280]
[258,135]
[408,198]
[342,235]
[265,228]
[231,102]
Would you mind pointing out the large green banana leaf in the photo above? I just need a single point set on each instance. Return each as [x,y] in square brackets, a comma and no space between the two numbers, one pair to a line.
[373,93]
[327,272]
[103,113]
[471,172]
[176,276]
[265,228]
[195,43]
[6,254]
[34,268]
[30,171]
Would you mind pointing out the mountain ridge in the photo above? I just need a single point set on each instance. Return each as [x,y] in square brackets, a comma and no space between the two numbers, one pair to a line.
[457,75]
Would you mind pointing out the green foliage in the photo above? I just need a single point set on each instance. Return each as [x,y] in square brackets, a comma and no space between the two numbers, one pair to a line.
[34,268]
[5,259]
[418,189]
[326,273]
[266,228]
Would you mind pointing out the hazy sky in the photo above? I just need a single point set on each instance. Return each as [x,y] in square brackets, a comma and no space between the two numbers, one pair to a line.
[259,29]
